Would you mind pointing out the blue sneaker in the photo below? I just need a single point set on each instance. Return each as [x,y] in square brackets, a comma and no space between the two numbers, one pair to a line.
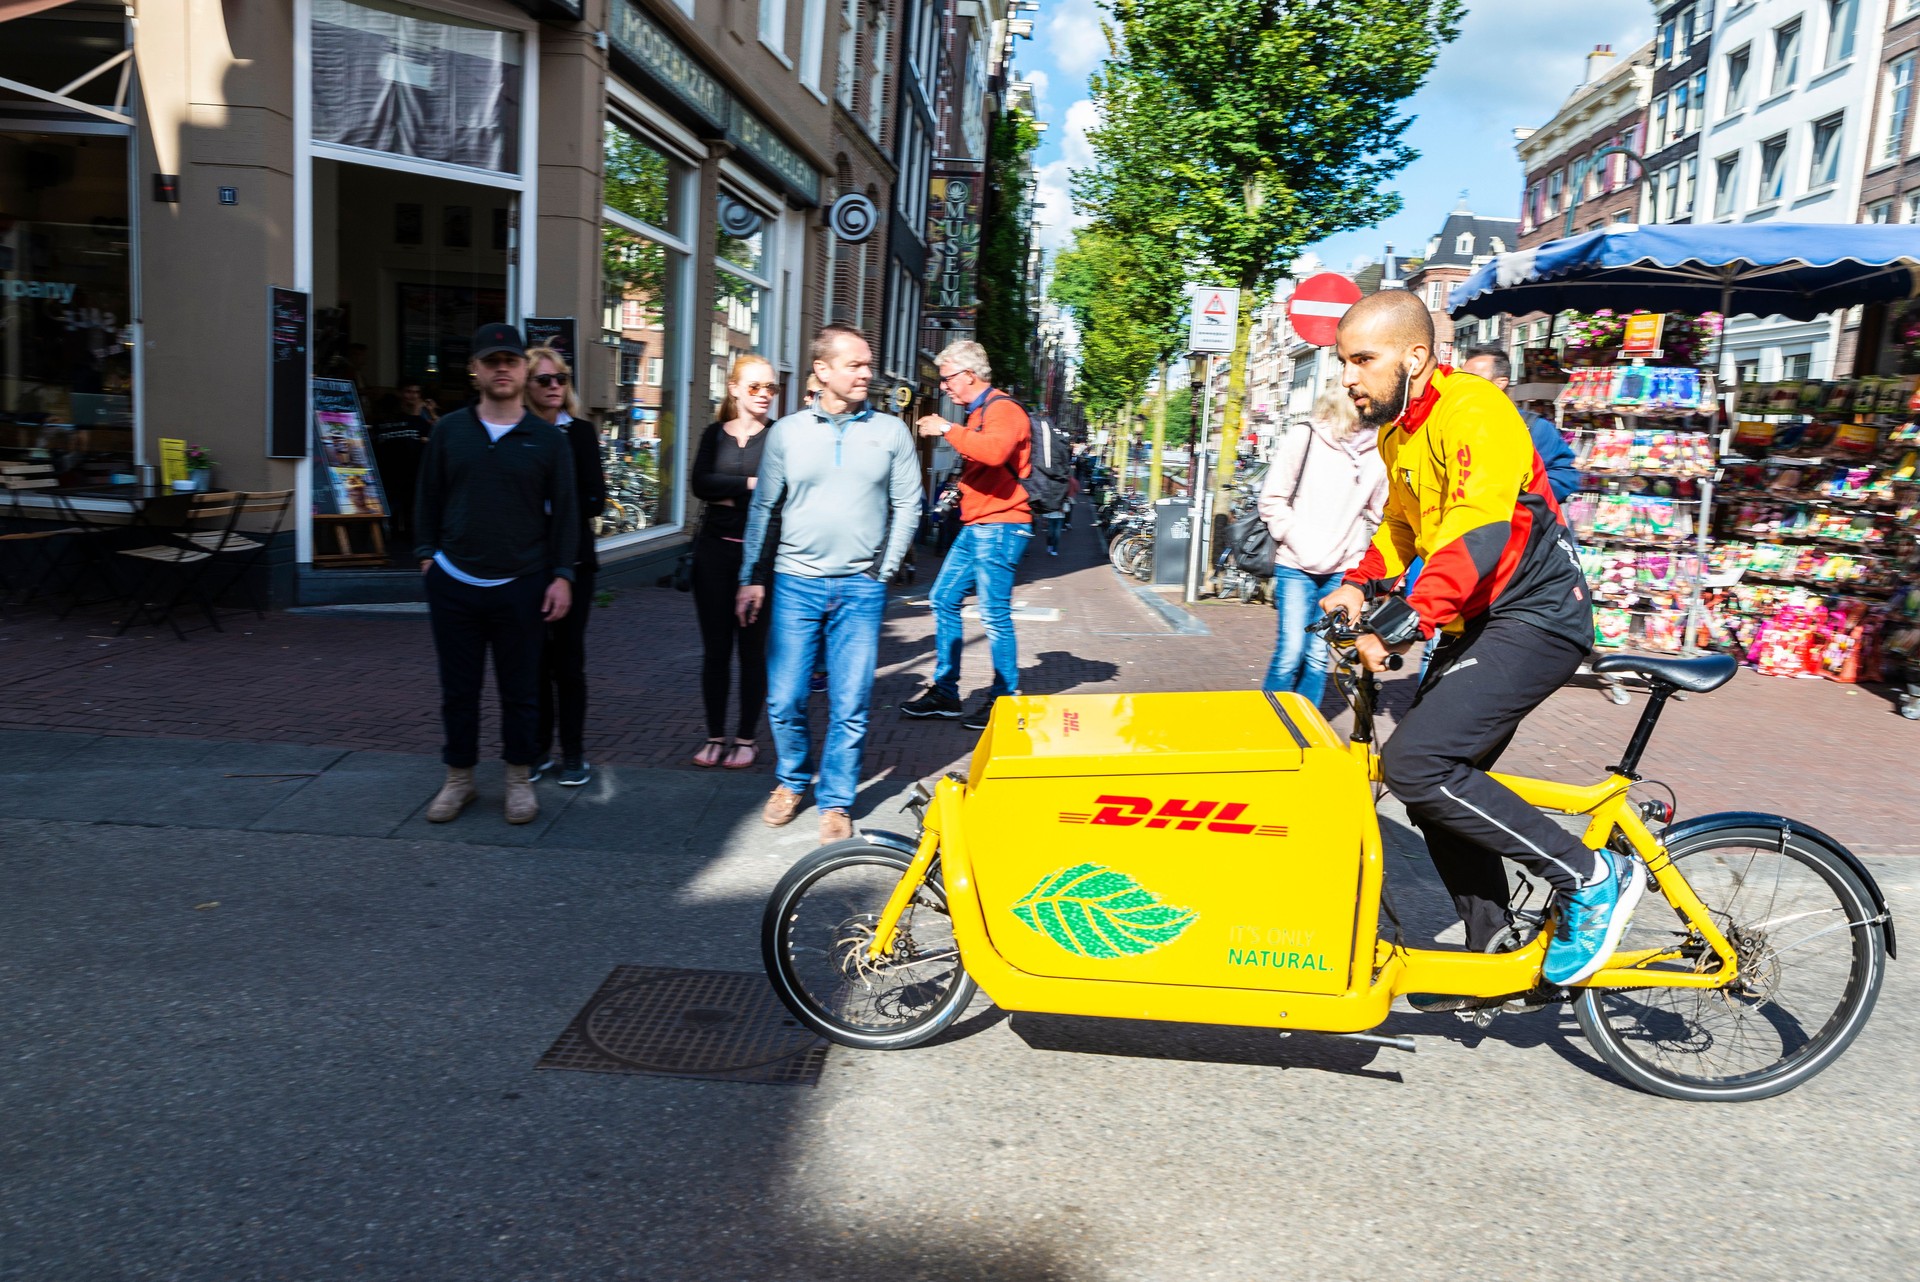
[1592,920]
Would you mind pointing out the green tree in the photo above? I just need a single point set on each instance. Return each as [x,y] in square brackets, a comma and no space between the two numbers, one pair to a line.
[1004,326]
[1234,133]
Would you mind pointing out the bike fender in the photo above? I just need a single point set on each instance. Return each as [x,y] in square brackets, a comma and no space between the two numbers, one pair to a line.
[891,840]
[1755,819]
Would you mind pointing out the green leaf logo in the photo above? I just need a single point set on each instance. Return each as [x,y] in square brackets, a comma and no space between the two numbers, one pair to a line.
[1096,912]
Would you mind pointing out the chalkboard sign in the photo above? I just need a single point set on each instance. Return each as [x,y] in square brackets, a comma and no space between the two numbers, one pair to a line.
[557,332]
[289,363]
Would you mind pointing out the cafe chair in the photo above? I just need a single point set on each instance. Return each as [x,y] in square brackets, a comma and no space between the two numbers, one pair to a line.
[30,543]
[176,568]
[244,545]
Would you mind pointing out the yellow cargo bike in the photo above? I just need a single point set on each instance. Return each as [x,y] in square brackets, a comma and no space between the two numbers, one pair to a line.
[1215,858]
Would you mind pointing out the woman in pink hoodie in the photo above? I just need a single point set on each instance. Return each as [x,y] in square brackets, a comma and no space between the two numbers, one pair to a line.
[1324,494]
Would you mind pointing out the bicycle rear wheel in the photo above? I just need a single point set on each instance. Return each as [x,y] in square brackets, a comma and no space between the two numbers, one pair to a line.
[814,940]
[1812,953]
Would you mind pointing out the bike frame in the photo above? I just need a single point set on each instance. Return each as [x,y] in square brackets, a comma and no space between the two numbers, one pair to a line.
[1381,969]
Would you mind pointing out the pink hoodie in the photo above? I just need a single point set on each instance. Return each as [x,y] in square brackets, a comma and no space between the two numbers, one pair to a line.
[1336,506]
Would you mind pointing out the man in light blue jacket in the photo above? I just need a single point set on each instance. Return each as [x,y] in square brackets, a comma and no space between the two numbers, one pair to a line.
[844,482]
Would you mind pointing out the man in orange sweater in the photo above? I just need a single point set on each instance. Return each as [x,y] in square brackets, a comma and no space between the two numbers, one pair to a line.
[995,445]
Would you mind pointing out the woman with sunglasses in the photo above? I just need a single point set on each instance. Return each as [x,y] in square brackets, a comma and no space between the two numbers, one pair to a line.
[724,473]
[563,659]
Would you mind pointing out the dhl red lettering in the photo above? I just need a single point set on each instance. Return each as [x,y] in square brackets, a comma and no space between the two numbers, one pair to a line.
[1123,812]
[1229,812]
[1188,814]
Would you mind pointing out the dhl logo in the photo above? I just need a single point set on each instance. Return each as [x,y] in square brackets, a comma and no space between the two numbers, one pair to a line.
[1176,813]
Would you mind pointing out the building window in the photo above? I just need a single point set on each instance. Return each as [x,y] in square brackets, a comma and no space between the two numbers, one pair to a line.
[1689,184]
[644,262]
[846,64]
[1682,102]
[1881,213]
[1910,208]
[1738,64]
[1661,137]
[1669,194]
[1667,32]
[1726,177]
[629,368]
[1703,20]
[1786,58]
[1463,245]
[1556,183]
[773,25]
[1773,171]
[742,289]
[1697,109]
[1823,169]
[813,42]
[1896,104]
[1841,19]
[1798,366]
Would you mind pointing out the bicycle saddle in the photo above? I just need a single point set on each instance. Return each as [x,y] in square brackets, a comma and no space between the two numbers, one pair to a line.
[1708,672]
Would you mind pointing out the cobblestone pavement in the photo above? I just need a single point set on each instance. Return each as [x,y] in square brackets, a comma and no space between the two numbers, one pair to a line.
[1834,756]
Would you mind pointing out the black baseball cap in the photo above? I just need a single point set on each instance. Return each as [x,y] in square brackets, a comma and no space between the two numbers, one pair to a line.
[497,337]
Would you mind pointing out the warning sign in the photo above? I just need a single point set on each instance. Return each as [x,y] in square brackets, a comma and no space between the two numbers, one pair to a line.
[1213,320]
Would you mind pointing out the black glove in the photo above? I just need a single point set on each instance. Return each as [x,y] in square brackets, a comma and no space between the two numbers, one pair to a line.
[1392,620]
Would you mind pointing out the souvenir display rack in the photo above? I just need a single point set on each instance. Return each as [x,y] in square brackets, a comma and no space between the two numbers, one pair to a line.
[1643,441]
[1816,562]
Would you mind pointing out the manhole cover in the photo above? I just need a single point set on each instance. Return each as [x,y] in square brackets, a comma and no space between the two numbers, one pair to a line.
[722,1025]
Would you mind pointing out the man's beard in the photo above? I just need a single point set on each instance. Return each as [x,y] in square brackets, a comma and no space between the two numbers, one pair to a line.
[1379,413]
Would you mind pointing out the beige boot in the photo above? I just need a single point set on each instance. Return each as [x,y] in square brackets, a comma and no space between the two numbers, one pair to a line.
[522,806]
[453,796]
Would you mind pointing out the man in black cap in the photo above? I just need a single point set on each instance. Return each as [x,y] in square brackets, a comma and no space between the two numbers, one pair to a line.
[496,531]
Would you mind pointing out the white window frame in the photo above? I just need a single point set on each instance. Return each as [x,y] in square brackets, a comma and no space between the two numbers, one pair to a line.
[1843,25]
[1777,83]
[773,28]
[1760,196]
[1463,244]
[1896,111]
[1880,213]
[1738,87]
[1910,203]
[1726,189]
[1689,185]
[1830,156]
[813,42]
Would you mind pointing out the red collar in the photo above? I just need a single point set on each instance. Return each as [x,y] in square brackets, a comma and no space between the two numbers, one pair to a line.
[1415,415]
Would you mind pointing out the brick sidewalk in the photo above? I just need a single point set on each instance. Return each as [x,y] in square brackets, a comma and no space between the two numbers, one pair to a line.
[1834,756]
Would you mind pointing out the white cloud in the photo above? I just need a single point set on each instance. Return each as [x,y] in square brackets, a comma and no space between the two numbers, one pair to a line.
[1082,118]
[1053,214]
[1072,35]
[1041,83]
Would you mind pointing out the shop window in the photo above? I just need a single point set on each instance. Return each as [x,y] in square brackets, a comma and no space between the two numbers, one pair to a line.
[644,274]
[66,337]
[1823,167]
[1786,57]
[742,286]
[396,79]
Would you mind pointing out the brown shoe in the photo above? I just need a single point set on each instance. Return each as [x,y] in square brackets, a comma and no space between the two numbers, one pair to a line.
[522,806]
[453,796]
[835,825]
[781,805]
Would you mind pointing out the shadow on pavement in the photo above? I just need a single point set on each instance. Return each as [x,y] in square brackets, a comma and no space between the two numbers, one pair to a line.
[1198,1043]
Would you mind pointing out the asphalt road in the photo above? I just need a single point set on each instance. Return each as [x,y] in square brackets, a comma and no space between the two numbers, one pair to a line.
[330,1074]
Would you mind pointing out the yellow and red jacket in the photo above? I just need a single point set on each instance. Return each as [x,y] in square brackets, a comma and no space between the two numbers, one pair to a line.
[1468,494]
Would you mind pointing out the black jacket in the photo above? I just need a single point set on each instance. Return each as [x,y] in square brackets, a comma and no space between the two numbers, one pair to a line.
[498,509]
[590,480]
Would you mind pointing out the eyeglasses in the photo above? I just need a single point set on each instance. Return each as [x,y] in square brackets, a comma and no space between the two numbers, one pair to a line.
[956,374]
[754,389]
[551,380]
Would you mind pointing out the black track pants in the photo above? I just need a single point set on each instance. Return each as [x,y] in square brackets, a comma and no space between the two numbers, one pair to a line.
[563,674]
[467,622]
[1477,690]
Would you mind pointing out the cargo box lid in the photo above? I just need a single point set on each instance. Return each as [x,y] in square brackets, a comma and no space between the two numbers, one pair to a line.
[1122,734]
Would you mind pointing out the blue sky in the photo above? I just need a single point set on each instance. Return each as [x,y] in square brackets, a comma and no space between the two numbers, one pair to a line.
[1513,64]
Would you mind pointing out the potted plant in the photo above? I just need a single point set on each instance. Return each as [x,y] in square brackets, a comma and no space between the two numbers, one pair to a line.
[200,465]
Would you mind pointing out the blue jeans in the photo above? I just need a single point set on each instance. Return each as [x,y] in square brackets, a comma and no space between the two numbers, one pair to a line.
[842,617]
[1299,660]
[983,558]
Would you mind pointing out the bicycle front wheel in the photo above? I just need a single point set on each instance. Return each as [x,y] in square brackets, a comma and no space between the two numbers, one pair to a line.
[1812,953]
[814,940]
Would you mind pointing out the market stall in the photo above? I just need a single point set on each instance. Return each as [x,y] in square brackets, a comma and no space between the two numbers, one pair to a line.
[1808,564]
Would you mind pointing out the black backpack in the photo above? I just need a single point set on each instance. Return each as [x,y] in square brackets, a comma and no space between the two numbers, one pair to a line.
[1051,464]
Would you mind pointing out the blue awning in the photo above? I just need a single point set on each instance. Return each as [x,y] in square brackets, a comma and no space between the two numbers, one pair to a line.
[1796,270]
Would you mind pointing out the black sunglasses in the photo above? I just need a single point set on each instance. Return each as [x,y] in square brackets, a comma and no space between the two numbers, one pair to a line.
[551,380]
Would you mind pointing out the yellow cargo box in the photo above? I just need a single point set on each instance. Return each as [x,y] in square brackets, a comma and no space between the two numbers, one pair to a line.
[1193,839]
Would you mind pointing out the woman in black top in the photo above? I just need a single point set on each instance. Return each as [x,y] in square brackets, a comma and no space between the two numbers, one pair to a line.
[563,659]
[724,471]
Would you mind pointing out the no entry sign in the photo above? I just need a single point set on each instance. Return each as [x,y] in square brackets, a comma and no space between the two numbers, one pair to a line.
[1317,305]
[1213,320]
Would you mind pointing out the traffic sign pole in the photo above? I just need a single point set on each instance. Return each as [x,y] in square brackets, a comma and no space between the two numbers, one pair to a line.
[1198,489]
